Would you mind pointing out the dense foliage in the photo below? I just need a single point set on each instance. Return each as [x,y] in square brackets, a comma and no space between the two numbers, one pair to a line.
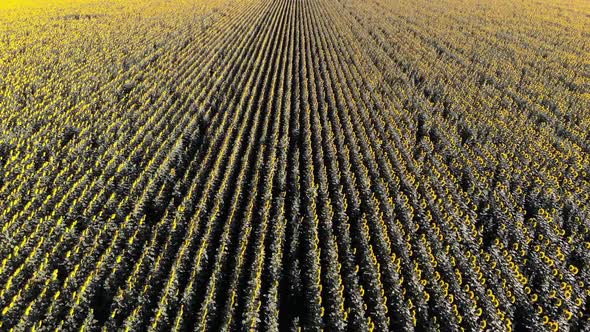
[274,165]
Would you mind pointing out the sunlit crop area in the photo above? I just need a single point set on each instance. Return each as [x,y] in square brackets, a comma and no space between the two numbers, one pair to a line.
[345,165]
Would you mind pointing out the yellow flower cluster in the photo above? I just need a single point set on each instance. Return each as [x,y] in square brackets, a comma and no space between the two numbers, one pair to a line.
[362,165]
